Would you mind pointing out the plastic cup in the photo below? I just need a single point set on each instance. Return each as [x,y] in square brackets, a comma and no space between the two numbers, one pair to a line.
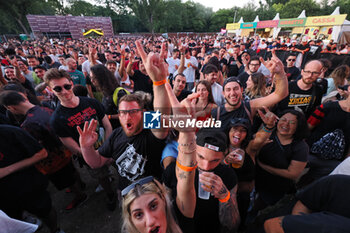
[239,155]
[202,194]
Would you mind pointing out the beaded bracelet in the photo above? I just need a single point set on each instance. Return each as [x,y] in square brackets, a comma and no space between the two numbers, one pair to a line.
[226,198]
[185,168]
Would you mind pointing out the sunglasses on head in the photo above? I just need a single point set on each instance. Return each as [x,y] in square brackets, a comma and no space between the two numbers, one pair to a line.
[291,59]
[140,182]
[59,88]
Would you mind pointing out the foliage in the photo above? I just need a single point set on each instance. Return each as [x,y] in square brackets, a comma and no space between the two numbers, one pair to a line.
[160,15]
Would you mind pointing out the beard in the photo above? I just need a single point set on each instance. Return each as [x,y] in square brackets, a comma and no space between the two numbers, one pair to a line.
[135,131]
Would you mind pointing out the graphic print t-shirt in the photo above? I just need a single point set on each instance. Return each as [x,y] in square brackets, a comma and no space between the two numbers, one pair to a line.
[136,156]
[65,120]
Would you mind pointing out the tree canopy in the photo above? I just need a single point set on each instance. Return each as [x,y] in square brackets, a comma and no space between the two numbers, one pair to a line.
[160,15]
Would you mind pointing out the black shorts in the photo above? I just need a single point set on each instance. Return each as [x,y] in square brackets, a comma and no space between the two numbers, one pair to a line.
[65,177]
[38,203]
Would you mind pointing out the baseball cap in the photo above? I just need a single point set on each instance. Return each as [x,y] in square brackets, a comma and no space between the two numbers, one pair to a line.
[232,79]
[213,139]
[240,122]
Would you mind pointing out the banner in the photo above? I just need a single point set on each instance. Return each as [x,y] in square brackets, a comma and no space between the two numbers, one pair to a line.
[291,23]
[248,25]
[267,24]
[232,26]
[328,20]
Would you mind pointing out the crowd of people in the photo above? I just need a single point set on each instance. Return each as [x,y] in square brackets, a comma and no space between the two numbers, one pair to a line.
[276,162]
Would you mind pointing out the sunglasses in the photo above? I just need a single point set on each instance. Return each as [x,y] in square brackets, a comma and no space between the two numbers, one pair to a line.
[65,86]
[140,182]
[291,59]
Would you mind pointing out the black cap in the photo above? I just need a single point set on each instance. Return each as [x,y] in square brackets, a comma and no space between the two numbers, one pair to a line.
[240,122]
[213,139]
[232,79]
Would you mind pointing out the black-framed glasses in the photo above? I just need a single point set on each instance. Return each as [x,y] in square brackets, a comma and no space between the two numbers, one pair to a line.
[132,112]
[140,182]
[65,86]
[312,73]
[291,59]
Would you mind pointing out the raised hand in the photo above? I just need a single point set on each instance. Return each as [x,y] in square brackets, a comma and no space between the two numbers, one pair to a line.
[269,118]
[184,110]
[155,66]
[88,136]
[274,65]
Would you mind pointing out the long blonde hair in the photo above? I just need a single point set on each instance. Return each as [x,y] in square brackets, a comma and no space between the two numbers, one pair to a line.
[149,188]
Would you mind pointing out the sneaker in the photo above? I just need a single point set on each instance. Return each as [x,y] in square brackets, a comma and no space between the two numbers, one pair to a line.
[76,202]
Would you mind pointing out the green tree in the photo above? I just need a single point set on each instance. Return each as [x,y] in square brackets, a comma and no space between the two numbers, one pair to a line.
[293,8]
[220,18]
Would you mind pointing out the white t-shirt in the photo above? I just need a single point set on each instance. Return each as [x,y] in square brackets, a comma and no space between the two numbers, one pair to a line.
[262,46]
[189,72]
[216,89]
[172,62]
[86,66]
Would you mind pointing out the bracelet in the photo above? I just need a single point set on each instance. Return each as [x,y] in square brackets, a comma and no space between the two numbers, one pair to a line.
[226,198]
[185,168]
[226,162]
[159,83]
[266,130]
[187,152]
[268,127]
[187,144]
[109,117]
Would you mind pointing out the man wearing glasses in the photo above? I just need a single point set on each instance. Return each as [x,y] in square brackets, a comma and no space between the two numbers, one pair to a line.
[293,72]
[304,94]
[72,112]
[253,67]
[134,151]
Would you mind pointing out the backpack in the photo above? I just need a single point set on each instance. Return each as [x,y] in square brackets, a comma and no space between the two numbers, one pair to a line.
[330,146]
[118,93]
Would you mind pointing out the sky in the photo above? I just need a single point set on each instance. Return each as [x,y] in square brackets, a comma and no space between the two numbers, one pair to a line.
[217,4]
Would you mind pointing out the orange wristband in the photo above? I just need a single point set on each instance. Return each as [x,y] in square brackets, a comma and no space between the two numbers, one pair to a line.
[159,83]
[109,117]
[226,198]
[184,168]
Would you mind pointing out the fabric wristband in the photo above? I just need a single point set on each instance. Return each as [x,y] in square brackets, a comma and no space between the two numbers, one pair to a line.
[266,130]
[226,162]
[159,83]
[185,168]
[268,127]
[226,198]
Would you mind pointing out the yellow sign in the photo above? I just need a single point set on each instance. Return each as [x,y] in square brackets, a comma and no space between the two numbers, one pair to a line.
[97,31]
[232,26]
[325,20]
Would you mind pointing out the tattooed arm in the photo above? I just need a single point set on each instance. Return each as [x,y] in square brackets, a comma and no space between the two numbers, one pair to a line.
[228,211]
[186,194]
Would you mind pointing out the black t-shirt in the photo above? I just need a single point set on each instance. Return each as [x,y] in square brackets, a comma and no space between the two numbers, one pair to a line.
[278,156]
[142,82]
[330,193]
[225,117]
[206,216]
[334,118]
[232,67]
[65,120]
[293,73]
[243,78]
[135,156]
[183,95]
[16,145]
[301,99]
